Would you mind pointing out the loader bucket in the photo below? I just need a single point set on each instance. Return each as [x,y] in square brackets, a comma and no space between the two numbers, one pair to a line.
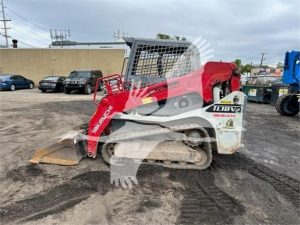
[61,153]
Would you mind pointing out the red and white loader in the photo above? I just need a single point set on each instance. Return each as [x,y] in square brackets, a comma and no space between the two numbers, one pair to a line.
[164,111]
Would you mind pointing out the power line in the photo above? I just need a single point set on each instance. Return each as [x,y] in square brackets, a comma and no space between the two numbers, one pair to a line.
[27,44]
[28,37]
[29,21]
[24,43]
[38,37]
[39,32]
[27,31]
[24,32]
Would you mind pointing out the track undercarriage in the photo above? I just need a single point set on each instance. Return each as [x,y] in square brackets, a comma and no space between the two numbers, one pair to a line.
[184,146]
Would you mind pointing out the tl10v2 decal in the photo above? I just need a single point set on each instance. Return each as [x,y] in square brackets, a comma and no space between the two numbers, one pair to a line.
[222,108]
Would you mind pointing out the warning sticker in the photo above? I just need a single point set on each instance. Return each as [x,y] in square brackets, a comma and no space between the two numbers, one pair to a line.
[252,92]
[282,91]
[226,101]
[147,100]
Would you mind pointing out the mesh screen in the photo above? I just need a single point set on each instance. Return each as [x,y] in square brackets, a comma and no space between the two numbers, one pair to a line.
[164,61]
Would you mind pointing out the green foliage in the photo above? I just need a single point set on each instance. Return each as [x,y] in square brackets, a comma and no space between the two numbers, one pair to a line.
[238,62]
[177,38]
[246,68]
[162,36]
[279,65]
[243,68]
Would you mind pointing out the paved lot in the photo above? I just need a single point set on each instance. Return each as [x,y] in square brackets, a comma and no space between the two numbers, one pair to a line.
[257,185]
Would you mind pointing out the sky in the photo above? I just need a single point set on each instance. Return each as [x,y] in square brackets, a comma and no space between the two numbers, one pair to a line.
[232,28]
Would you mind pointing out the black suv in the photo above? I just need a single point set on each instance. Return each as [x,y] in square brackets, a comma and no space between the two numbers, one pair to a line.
[83,80]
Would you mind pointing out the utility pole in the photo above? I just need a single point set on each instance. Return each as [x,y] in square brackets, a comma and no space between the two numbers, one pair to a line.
[4,20]
[262,58]
[251,66]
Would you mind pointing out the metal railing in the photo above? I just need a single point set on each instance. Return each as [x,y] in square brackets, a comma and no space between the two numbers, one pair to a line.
[112,84]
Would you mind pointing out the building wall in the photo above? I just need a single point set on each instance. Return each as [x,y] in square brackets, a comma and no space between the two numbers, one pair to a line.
[38,63]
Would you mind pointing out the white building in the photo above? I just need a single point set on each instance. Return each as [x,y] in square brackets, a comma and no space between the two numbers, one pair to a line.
[89,45]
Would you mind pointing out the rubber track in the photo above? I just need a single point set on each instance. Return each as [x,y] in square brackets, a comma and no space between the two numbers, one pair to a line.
[151,132]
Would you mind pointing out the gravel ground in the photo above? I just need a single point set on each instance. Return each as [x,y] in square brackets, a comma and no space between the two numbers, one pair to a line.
[257,185]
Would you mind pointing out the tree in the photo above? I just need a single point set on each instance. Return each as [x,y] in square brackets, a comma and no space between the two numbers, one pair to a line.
[279,65]
[162,36]
[177,38]
[238,63]
[243,68]
[183,38]
[246,68]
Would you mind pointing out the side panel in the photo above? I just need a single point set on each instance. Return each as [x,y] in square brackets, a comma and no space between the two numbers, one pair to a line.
[224,117]
[227,116]
[200,82]
[291,73]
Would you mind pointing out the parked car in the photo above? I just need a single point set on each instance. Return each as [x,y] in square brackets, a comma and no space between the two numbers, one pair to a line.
[84,81]
[52,83]
[13,82]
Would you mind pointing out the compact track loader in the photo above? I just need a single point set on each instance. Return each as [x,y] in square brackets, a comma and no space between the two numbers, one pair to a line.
[166,110]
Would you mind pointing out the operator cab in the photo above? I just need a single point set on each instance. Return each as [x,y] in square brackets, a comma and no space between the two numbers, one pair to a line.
[153,61]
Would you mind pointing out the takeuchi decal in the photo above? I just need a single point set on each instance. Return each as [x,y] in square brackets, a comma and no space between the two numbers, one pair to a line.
[163,88]
[221,108]
[104,116]
[225,115]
